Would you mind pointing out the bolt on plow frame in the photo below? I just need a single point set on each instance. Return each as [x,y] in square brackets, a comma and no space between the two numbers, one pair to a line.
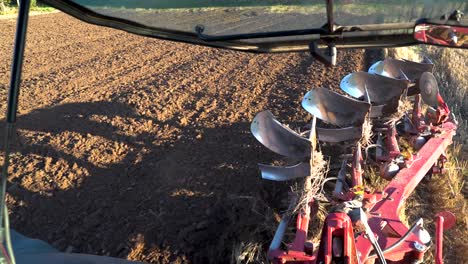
[390,119]
[374,129]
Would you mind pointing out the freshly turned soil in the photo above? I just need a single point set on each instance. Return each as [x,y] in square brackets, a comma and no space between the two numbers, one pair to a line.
[140,148]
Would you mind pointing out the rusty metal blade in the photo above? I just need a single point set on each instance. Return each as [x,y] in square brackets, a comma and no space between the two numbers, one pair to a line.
[381,89]
[376,111]
[429,89]
[279,138]
[404,77]
[393,68]
[334,108]
[413,90]
[411,69]
[284,173]
[384,110]
[335,135]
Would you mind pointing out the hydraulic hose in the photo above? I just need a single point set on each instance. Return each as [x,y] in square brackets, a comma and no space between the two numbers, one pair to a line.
[403,238]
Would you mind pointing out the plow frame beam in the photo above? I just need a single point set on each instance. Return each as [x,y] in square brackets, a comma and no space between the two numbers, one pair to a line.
[384,215]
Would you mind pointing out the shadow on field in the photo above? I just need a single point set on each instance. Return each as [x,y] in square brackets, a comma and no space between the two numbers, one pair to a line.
[102,178]
[188,200]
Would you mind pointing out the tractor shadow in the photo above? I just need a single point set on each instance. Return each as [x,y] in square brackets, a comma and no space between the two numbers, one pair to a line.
[101,178]
[189,199]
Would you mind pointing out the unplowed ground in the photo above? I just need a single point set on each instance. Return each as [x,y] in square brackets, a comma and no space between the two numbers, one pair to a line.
[140,148]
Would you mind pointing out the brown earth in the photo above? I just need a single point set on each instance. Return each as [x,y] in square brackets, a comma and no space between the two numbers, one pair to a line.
[140,148]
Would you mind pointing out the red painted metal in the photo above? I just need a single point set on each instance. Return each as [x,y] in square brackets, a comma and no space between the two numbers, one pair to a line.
[439,240]
[441,114]
[338,230]
[444,220]
[297,252]
[386,211]
[449,219]
[392,142]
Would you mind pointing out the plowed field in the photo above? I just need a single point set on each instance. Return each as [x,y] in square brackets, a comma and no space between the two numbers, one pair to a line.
[140,148]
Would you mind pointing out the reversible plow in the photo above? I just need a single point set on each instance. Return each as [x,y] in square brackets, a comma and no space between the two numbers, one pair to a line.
[392,121]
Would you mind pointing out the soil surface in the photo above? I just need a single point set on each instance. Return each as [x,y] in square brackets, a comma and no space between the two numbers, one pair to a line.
[140,148]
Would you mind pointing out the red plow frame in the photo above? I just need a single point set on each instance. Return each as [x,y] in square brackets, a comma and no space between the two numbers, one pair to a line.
[379,235]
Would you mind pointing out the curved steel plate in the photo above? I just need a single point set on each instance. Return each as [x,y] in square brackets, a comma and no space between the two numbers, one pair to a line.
[377,68]
[381,89]
[284,173]
[334,108]
[279,138]
[413,70]
[429,89]
[335,135]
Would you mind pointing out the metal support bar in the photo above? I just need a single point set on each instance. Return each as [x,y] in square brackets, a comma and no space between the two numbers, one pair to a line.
[18,53]
[330,22]
[12,106]
[439,242]
[444,220]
